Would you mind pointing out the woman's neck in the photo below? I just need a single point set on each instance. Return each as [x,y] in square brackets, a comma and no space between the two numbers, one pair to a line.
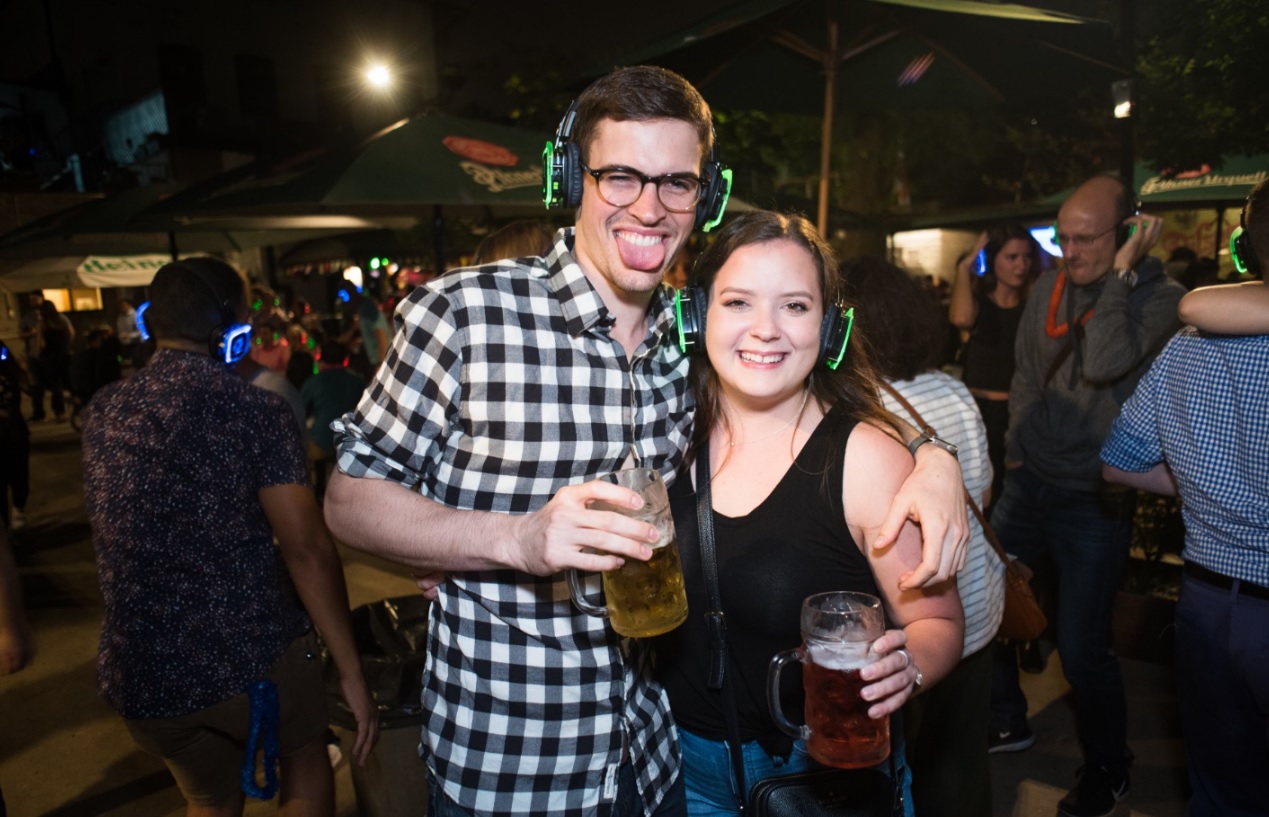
[1005,296]
[755,424]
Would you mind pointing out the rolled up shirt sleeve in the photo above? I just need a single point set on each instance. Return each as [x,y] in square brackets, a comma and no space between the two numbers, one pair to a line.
[395,432]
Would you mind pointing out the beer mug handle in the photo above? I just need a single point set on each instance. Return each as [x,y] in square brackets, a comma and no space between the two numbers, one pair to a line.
[579,596]
[773,694]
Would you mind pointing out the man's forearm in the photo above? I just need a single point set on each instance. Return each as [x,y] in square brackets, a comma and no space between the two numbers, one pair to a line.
[1158,480]
[401,525]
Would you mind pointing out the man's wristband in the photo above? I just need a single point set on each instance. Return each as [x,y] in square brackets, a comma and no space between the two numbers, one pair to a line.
[926,437]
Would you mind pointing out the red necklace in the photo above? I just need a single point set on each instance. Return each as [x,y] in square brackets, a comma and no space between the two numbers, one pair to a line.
[1051,327]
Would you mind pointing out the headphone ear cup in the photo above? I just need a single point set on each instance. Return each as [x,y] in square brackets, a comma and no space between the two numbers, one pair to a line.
[835,335]
[571,174]
[1245,260]
[689,317]
[707,207]
[709,210]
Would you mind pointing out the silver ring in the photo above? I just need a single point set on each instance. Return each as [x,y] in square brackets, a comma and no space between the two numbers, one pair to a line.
[907,655]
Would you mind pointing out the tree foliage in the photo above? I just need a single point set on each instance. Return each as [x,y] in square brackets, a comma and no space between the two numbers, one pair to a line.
[1204,80]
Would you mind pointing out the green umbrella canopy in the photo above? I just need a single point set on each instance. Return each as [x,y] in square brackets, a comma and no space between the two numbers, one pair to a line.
[115,225]
[416,163]
[1225,184]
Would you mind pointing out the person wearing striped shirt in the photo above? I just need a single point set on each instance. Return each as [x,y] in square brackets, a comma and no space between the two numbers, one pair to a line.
[947,728]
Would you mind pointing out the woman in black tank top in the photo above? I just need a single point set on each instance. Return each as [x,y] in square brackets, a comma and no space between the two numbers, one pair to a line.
[989,292]
[804,464]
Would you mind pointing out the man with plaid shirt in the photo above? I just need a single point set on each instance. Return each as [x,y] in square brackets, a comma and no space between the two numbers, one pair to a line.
[507,390]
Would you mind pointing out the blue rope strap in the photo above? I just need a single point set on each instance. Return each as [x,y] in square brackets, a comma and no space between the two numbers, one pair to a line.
[263,735]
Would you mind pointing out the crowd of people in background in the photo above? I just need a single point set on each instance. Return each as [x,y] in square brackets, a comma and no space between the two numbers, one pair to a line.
[405,427]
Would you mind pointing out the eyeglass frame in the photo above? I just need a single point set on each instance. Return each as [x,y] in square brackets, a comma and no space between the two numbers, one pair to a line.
[1081,240]
[644,180]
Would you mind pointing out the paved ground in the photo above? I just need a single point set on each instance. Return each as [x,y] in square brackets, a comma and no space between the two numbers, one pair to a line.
[63,753]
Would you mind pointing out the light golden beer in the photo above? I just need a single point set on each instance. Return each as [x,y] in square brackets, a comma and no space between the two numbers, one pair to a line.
[647,598]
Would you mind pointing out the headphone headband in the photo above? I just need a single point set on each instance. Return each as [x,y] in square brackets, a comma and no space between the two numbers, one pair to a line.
[563,177]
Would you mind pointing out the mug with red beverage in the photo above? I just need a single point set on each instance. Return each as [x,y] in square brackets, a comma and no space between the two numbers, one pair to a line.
[838,630]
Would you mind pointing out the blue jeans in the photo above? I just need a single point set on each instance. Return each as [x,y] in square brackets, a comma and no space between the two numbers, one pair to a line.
[629,802]
[1222,686]
[1086,536]
[711,779]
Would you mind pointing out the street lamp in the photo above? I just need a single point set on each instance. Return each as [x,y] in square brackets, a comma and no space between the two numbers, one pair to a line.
[379,77]
[1121,93]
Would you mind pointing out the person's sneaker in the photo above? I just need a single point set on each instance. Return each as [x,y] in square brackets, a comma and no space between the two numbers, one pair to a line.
[1096,792]
[17,520]
[1010,740]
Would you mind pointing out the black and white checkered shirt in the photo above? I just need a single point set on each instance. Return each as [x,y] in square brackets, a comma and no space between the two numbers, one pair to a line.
[504,385]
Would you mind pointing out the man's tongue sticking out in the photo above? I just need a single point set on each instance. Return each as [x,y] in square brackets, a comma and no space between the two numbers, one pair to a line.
[641,252]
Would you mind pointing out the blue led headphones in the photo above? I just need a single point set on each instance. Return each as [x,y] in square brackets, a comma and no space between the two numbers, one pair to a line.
[690,305]
[230,341]
[563,177]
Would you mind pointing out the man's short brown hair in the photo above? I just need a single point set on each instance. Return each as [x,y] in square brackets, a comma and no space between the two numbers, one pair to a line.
[640,93]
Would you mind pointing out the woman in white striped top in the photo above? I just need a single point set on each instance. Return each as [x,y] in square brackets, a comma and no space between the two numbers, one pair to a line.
[903,326]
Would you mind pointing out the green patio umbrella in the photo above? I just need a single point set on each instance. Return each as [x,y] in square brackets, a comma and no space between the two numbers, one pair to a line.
[426,165]
[116,225]
[108,241]
[812,56]
[1225,184]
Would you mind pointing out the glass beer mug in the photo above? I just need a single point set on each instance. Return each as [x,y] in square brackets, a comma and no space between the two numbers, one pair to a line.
[644,598]
[837,633]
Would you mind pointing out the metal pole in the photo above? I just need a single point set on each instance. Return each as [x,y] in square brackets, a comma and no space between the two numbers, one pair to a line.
[438,238]
[1128,47]
[831,61]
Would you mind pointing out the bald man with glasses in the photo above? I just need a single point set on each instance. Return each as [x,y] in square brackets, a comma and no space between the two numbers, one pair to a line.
[1088,333]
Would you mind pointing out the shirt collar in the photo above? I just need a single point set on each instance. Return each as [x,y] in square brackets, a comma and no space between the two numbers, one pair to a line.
[583,308]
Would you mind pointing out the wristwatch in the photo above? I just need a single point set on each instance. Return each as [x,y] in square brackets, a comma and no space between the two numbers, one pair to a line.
[926,437]
[1128,276]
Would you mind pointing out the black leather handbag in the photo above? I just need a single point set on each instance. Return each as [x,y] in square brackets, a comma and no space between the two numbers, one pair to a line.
[817,793]
[836,792]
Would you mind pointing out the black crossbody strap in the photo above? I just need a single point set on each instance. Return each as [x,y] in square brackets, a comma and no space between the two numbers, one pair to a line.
[715,620]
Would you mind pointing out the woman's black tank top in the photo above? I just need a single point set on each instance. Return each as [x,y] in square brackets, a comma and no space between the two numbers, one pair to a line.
[794,544]
[989,357]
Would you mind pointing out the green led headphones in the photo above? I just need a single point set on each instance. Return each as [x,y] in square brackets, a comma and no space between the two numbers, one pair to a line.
[1240,250]
[563,176]
[690,305]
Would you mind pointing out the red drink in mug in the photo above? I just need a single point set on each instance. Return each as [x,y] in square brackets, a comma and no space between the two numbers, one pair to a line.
[842,734]
[837,633]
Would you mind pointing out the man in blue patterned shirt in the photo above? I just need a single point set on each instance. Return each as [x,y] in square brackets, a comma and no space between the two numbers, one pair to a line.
[189,472]
[1196,426]
[507,390]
